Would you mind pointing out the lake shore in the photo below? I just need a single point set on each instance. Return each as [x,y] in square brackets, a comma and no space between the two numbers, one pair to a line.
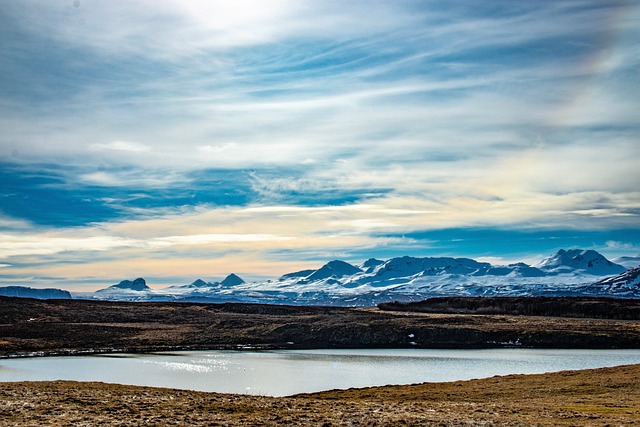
[608,396]
[599,397]
[65,327]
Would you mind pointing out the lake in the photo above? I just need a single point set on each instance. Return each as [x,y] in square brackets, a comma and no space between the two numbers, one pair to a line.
[286,372]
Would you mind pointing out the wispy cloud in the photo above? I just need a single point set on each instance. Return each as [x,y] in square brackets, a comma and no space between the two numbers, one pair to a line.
[122,146]
[284,126]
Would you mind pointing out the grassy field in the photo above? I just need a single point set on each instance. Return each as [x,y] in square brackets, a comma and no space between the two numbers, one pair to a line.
[600,397]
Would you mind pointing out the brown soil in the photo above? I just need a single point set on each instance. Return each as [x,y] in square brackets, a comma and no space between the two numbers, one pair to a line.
[601,397]
[59,326]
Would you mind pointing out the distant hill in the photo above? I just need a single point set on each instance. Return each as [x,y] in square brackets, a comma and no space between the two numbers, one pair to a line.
[586,261]
[26,292]
[232,280]
[137,285]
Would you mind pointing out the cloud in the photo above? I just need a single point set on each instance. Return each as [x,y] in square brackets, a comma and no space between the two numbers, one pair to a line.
[201,239]
[621,246]
[16,245]
[127,146]
[181,127]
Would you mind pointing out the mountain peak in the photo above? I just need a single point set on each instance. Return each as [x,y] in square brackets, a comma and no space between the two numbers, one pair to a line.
[369,265]
[372,262]
[138,284]
[588,260]
[199,283]
[232,280]
[335,268]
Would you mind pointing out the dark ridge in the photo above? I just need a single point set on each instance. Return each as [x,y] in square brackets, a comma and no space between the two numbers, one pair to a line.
[580,307]
[27,292]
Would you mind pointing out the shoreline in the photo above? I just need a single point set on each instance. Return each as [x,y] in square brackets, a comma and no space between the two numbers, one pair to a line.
[604,396]
[258,348]
[148,350]
[36,328]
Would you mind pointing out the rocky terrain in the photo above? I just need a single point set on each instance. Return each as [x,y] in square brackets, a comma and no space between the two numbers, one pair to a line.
[47,327]
[601,397]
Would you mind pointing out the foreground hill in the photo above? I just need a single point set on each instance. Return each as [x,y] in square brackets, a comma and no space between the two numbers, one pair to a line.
[68,326]
[608,396]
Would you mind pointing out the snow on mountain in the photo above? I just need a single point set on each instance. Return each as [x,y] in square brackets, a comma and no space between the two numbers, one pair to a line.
[370,265]
[519,269]
[296,275]
[126,290]
[333,269]
[27,292]
[628,261]
[181,289]
[200,285]
[405,269]
[584,261]
[625,285]
[137,285]
[566,273]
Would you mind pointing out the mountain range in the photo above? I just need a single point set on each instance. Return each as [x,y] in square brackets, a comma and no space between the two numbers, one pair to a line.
[573,272]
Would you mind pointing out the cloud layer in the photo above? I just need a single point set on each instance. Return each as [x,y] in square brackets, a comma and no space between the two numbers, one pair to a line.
[181,131]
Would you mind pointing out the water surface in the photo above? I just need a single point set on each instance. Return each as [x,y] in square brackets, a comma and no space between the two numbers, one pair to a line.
[286,372]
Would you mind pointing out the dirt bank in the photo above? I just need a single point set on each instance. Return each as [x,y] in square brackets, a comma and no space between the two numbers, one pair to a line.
[59,326]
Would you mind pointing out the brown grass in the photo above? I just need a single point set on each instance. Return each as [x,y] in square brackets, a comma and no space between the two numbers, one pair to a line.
[601,397]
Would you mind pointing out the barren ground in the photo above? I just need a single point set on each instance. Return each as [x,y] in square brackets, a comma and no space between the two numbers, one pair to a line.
[601,397]
[58,326]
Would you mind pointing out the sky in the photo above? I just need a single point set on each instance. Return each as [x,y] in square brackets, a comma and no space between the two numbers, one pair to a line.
[175,140]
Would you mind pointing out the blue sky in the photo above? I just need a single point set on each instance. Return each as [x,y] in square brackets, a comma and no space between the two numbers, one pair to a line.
[176,140]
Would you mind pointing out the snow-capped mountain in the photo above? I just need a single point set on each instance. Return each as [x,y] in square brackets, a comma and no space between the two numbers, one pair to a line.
[369,265]
[568,273]
[582,261]
[333,270]
[625,285]
[136,285]
[199,284]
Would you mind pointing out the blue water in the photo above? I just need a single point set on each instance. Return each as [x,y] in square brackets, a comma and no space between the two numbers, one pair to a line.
[286,372]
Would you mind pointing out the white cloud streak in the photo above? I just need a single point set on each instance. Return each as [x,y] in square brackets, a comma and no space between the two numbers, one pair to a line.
[434,115]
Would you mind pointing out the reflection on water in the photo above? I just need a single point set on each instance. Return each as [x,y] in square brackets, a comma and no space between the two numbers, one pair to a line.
[286,372]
